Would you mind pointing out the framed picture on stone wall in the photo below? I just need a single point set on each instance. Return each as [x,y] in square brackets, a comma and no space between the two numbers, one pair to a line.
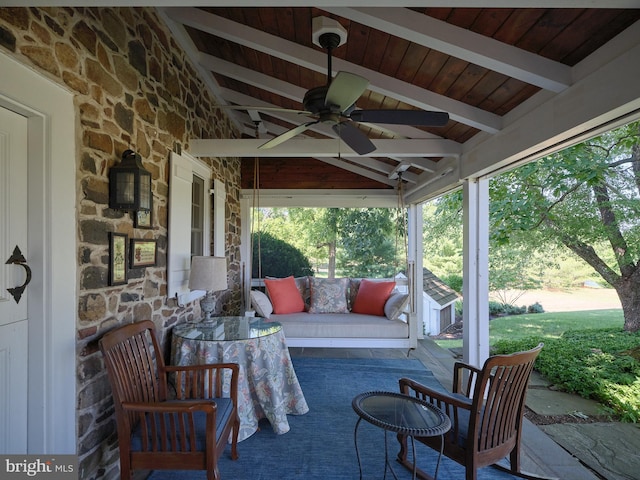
[117,258]
[143,253]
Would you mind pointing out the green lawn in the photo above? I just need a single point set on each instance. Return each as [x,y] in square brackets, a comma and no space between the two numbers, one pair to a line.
[547,325]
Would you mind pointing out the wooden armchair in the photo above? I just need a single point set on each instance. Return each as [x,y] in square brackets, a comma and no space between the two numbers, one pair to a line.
[188,431]
[486,409]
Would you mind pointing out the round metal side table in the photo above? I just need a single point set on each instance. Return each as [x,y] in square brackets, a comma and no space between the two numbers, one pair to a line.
[402,414]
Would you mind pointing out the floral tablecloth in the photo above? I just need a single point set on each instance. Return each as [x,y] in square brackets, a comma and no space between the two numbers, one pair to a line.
[268,386]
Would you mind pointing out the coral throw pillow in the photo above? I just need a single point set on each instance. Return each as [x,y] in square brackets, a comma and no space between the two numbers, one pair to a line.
[372,296]
[284,294]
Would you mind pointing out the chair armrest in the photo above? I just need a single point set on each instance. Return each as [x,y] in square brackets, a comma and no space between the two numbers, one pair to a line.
[206,381]
[171,406]
[450,404]
[463,372]
[428,394]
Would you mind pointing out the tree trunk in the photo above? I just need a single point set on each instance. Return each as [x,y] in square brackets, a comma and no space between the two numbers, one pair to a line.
[331,267]
[332,260]
[628,290]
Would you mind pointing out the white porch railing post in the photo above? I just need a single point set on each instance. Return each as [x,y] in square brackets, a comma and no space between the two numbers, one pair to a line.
[476,271]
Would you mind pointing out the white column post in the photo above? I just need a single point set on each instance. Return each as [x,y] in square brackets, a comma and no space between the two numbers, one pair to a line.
[476,271]
[414,275]
[245,250]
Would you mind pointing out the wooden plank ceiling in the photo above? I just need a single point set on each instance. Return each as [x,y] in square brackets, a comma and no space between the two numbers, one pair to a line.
[477,64]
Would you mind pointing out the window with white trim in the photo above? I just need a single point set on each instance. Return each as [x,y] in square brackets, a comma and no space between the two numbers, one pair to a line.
[197,215]
[189,231]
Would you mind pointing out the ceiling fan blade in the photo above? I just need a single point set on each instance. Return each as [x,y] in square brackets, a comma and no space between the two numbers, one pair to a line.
[286,135]
[401,117]
[354,137]
[260,109]
[345,89]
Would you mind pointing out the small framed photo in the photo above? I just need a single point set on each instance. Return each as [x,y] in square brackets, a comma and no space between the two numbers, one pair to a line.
[143,218]
[143,253]
[117,258]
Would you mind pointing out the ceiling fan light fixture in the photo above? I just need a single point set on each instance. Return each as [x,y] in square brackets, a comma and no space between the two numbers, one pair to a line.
[328,32]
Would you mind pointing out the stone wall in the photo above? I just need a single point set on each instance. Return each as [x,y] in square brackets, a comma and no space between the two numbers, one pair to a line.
[134,89]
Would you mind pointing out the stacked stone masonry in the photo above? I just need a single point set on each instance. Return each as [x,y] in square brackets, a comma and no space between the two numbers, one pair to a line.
[134,88]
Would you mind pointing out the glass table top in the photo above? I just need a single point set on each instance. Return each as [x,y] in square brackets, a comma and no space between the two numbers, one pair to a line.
[401,413]
[227,329]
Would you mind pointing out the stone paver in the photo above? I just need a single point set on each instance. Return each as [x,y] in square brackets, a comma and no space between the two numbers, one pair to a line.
[544,401]
[610,449]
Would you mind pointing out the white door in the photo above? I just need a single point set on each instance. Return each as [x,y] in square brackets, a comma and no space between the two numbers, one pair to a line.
[13,314]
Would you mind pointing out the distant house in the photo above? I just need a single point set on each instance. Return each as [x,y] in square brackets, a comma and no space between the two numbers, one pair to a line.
[438,304]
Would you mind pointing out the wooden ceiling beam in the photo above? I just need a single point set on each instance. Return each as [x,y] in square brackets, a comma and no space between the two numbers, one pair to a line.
[316,60]
[324,3]
[463,44]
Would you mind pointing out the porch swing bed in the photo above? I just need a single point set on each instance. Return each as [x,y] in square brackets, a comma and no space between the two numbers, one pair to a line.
[337,312]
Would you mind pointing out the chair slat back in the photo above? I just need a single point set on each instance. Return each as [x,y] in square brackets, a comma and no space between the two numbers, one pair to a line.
[208,384]
[131,357]
[500,394]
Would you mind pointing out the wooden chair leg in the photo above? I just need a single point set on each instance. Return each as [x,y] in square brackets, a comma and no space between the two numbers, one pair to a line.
[234,440]
[404,460]
[125,468]
[402,454]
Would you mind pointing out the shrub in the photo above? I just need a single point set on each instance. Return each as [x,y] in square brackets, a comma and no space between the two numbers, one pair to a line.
[498,308]
[594,364]
[278,258]
[535,308]
[514,309]
[453,281]
[458,308]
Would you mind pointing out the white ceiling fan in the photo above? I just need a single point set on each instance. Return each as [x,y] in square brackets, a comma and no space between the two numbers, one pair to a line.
[334,102]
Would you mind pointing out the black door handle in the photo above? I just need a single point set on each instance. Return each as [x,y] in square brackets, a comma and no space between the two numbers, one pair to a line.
[18,259]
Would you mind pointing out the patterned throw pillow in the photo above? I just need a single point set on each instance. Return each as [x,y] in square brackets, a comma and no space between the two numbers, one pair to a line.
[303,285]
[328,295]
[354,285]
[372,296]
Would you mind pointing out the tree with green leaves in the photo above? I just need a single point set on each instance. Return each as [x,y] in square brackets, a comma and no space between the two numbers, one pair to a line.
[584,198]
[351,241]
[367,242]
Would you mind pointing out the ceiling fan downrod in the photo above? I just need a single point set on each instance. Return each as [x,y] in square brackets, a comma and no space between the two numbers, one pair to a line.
[329,41]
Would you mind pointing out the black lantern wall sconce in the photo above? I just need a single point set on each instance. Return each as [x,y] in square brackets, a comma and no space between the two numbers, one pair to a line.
[130,184]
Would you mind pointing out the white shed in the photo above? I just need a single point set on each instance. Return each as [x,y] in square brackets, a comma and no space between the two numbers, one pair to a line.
[438,304]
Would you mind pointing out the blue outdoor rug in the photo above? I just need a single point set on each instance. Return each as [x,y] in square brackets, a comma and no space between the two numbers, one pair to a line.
[320,444]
